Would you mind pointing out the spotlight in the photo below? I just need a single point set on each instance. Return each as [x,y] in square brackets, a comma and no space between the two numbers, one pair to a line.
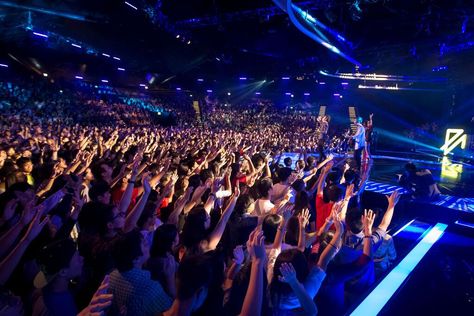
[121,69]
[40,34]
[285,78]
[177,36]
[131,5]
[243,78]
[257,93]
[79,77]
[45,74]
[4,65]
[189,42]
[106,55]
[228,93]
[116,58]
[200,80]
[209,91]
[178,89]
[105,81]
[75,45]
[306,93]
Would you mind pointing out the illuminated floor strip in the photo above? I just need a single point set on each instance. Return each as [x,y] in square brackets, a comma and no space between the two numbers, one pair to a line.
[402,228]
[377,299]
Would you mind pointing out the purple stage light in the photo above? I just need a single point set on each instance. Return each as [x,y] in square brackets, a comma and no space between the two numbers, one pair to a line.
[4,65]
[322,83]
[287,93]
[345,83]
[200,80]
[40,34]
[142,85]
[106,55]
[105,81]
[116,58]
[131,5]
[75,45]
[79,77]
[242,78]
[257,93]
[121,69]
[209,91]
[336,95]
[285,78]
[307,93]
[178,89]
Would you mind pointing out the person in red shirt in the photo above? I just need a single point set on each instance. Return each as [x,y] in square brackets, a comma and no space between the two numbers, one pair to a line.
[324,203]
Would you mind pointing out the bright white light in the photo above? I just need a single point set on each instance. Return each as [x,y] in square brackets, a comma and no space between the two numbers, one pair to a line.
[200,80]
[228,93]
[121,69]
[142,85]
[75,45]
[40,34]
[178,89]
[287,93]
[105,81]
[322,83]
[177,36]
[307,93]
[209,91]
[257,93]
[377,299]
[146,87]
[243,78]
[131,5]
[116,58]
[79,77]
[285,78]
[189,42]
[106,55]
[4,65]
[45,74]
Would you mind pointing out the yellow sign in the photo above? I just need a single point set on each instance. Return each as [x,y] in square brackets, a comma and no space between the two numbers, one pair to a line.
[450,170]
[454,138]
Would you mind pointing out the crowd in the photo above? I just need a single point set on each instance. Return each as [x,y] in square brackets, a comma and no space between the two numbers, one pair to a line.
[104,212]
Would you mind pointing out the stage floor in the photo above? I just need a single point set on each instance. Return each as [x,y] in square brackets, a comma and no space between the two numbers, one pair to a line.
[455,179]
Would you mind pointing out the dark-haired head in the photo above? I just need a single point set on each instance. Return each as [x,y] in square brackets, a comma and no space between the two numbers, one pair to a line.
[193,279]
[332,193]
[130,251]
[269,227]
[164,239]
[354,220]
[300,264]
[195,228]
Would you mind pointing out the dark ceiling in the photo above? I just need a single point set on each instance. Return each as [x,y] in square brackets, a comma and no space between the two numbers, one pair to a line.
[252,38]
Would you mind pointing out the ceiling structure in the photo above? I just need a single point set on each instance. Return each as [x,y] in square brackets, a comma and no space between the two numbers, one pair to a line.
[174,42]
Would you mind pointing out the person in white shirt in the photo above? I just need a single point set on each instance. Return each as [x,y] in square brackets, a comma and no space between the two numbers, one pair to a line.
[359,140]
[263,205]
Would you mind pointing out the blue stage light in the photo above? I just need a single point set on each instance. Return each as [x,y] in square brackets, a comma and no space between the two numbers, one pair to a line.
[209,91]
[121,69]
[4,65]
[105,81]
[75,45]
[116,58]
[307,93]
[257,93]
[242,78]
[79,77]
[106,55]
[178,89]
[377,299]
[285,78]
[200,80]
[287,93]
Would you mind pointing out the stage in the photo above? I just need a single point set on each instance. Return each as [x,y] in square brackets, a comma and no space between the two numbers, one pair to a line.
[455,178]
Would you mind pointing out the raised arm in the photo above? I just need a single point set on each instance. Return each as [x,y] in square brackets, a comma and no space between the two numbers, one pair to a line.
[286,212]
[254,297]
[288,275]
[216,234]
[136,212]
[334,245]
[387,217]
[368,221]
[303,220]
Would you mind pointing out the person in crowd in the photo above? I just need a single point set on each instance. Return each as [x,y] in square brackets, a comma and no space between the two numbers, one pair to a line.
[359,141]
[419,182]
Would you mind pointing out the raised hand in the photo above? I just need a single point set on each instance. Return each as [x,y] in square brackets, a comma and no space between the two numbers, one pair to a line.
[287,211]
[288,273]
[349,192]
[100,301]
[238,255]
[368,221]
[146,182]
[303,218]
[393,198]
[256,245]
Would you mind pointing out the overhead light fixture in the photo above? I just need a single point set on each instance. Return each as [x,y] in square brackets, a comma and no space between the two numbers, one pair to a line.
[116,58]
[40,34]
[228,93]
[105,81]
[189,42]
[322,83]
[121,69]
[131,5]
[75,45]
[142,85]
[285,78]
[242,78]
[307,93]
[257,93]
[4,65]
[209,91]
[106,55]
[200,80]
[79,77]
[178,89]
[45,74]
[177,36]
